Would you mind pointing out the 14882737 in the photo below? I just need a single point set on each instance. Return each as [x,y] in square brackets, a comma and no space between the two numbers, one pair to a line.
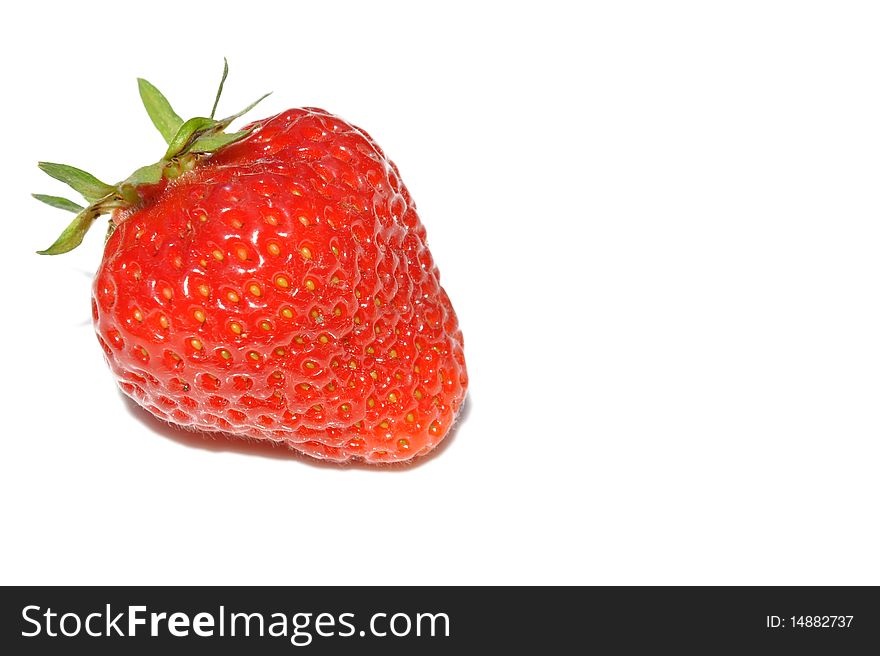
[810,622]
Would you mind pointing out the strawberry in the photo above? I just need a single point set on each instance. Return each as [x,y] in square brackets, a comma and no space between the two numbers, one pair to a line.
[273,283]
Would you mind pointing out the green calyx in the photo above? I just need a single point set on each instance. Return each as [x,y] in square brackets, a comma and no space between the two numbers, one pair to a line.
[188,142]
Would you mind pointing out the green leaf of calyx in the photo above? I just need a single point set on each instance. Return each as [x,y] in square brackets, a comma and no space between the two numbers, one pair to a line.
[220,88]
[73,234]
[60,203]
[85,183]
[146,175]
[224,123]
[211,142]
[159,109]
[188,133]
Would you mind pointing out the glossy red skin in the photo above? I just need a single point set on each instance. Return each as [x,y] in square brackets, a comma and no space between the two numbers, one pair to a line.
[366,365]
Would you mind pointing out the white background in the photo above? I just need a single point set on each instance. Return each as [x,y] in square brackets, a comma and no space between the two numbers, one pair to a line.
[658,223]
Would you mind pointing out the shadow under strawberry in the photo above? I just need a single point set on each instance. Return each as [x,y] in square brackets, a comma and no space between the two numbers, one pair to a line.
[228,443]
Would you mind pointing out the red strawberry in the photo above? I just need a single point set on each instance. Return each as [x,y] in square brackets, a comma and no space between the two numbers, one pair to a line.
[274,283]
